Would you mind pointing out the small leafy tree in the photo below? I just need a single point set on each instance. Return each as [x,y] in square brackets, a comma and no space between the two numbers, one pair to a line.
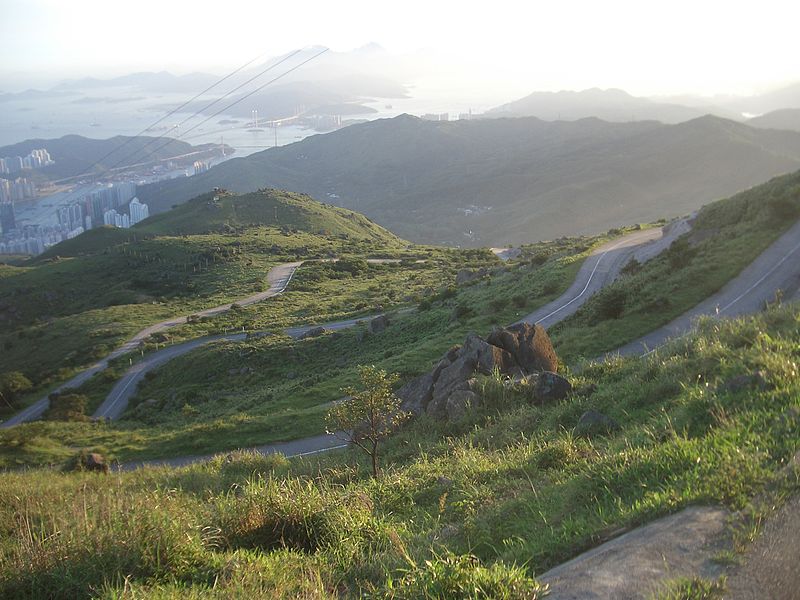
[12,384]
[369,413]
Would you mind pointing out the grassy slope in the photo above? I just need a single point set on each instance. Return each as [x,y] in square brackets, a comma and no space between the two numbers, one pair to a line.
[204,404]
[85,296]
[510,484]
[727,236]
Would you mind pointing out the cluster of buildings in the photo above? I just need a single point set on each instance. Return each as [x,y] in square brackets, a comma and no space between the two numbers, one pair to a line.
[35,239]
[137,212]
[34,160]
[90,209]
[17,189]
[467,116]
[99,207]
[201,166]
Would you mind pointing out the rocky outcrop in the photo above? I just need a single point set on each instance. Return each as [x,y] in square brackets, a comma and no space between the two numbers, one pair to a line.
[96,462]
[529,345]
[448,390]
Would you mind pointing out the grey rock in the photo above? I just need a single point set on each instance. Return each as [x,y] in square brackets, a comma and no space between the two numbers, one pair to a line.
[450,379]
[416,394]
[593,422]
[550,387]
[459,402]
[486,356]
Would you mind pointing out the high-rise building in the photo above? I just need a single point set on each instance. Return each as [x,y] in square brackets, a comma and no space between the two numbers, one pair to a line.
[7,219]
[138,211]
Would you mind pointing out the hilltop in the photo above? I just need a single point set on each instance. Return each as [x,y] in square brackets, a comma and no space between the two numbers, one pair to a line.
[500,181]
[787,118]
[609,105]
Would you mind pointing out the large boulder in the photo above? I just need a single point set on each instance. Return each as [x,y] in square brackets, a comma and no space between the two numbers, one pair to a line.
[451,378]
[528,344]
[96,462]
[550,387]
[416,394]
[515,351]
[486,356]
[459,402]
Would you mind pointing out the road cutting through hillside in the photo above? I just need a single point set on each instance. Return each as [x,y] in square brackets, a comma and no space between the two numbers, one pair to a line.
[602,267]
[777,268]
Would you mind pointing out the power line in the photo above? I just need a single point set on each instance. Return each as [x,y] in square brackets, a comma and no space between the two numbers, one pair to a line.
[205,108]
[237,101]
[129,139]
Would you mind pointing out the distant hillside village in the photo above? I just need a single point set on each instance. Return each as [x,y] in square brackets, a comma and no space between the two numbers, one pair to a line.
[106,206]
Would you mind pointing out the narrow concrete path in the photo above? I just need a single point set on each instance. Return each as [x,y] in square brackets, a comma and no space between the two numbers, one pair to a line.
[116,403]
[777,268]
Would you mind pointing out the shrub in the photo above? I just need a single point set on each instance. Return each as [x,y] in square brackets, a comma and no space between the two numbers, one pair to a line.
[463,576]
[610,302]
[298,515]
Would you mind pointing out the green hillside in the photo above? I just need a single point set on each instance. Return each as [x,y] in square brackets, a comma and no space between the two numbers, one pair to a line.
[79,300]
[494,182]
[225,213]
[476,508]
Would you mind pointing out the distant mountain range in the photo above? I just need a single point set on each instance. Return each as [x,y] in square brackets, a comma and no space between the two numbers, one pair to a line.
[499,181]
[787,118]
[609,105]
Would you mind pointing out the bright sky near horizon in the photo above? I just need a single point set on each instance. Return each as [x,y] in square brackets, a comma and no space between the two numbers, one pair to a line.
[698,46]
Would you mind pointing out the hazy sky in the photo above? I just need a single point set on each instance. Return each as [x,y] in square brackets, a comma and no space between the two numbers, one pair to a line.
[644,47]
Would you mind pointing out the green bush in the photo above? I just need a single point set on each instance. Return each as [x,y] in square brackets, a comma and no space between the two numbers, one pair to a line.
[462,576]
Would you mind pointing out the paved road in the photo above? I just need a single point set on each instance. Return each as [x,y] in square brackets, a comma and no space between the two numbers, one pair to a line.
[117,400]
[303,447]
[278,279]
[777,268]
[604,266]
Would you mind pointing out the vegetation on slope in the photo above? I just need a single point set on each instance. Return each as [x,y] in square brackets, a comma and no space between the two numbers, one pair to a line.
[726,237]
[484,504]
[79,301]
[272,388]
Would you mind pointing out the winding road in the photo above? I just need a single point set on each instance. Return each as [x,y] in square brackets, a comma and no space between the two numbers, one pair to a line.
[604,266]
[777,268]
[278,279]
